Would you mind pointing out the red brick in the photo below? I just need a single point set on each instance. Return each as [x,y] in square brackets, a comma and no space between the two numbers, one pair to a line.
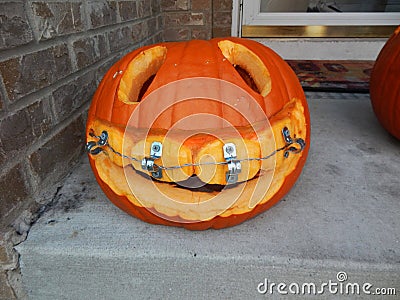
[127,10]
[1,102]
[90,50]
[5,258]
[53,160]
[174,5]
[57,18]
[184,19]
[201,5]
[20,129]
[160,22]
[201,34]
[102,13]
[120,38]
[104,68]
[222,19]
[3,154]
[39,116]
[15,131]
[5,290]
[155,7]
[13,190]
[158,38]
[222,5]
[31,72]
[144,8]
[152,26]
[176,34]
[208,18]
[71,96]
[140,31]
[222,32]
[15,29]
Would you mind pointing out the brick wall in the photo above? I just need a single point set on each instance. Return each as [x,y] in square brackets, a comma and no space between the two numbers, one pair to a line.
[52,56]
[196,19]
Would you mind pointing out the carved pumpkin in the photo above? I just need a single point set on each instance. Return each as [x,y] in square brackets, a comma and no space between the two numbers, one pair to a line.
[227,118]
[385,85]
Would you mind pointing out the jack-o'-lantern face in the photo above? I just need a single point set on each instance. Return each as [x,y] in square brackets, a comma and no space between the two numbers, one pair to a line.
[198,134]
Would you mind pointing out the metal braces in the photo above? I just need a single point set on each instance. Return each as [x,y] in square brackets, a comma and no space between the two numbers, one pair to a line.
[234,165]
[148,162]
[289,141]
[102,141]
[229,150]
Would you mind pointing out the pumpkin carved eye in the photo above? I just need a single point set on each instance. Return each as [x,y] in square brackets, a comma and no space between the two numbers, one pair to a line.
[140,73]
[249,66]
[247,78]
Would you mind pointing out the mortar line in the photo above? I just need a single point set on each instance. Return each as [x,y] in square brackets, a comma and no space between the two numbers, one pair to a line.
[8,165]
[31,98]
[31,20]
[4,97]
[58,40]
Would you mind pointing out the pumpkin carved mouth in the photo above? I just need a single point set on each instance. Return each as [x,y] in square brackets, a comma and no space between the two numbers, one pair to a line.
[124,175]
[193,184]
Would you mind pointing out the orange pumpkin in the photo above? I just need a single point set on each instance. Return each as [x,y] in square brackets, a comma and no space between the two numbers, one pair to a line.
[227,117]
[385,85]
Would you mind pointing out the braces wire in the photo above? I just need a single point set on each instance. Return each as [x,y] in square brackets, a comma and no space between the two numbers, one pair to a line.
[95,148]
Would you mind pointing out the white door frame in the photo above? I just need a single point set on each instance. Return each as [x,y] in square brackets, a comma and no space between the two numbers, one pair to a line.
[252,16]
[247,13]
[237,18]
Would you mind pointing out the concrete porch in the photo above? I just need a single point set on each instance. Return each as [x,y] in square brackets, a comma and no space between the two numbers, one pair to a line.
[341,216]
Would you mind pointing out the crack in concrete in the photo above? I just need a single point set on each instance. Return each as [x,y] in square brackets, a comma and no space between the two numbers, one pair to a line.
[19,232]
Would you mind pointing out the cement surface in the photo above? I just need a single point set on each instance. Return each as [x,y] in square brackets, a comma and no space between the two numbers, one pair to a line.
[341,216]
[325,48]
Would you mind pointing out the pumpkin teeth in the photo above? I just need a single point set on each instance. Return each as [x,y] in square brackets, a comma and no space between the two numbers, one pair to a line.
[178,150]
[216,174]
[256,190]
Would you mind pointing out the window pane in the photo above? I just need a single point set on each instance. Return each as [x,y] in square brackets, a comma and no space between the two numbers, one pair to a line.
[330,6]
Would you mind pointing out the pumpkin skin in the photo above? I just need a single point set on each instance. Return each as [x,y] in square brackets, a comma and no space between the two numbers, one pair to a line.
[279,95]
[385,85]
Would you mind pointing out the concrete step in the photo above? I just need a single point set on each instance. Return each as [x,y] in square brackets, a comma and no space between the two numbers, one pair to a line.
[341,216]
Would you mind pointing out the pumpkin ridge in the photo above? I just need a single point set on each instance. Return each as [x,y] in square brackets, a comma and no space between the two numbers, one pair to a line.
[177,77]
